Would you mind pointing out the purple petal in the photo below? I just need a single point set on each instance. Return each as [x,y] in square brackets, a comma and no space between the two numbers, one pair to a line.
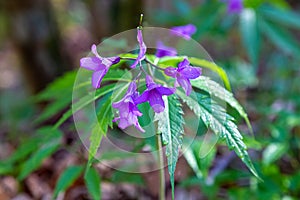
[138,126]
[91,63]
[191,72]
[116,119]
[118,104]
[136,62]
[183,64]
[149,80]
[142,51]
[163,50]
[123,123]
[132,119]
[186,85]
[139,36]
[171,71]
[156,102]
[114,60]
[165,91]
[94,50]
[97,77]
[184,31]
[131,88]
[136,112]
[142,98]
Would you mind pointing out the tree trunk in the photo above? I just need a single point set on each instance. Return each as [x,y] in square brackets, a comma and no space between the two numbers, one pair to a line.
[36,37]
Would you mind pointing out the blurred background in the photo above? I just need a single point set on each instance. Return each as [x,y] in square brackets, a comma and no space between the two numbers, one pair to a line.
[258,46]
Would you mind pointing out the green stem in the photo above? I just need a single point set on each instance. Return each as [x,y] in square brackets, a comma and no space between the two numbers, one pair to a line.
[153,64]
[141,20]
[162,186]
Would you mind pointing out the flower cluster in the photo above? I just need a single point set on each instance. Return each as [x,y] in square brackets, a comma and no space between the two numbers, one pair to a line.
[127,107]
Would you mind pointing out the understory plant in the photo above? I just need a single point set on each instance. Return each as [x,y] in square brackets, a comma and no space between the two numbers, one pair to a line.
[168,82]
[167,96]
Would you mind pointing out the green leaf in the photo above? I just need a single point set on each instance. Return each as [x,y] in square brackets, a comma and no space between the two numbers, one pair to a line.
[200,165]
[170,125]
[191,159]
[6,168]
[60,91]
[216,90]
[24,150]
[84,101]
[95,141]
[125,177]
[206,17]
[54,108]
[61,86]
[249,32]
[92,182]
[41,154]
[282,16]
[273,152]
[212,66]
[280,37]
[105,116]
[66,179]
[104,119]
[216,118]
[31,144]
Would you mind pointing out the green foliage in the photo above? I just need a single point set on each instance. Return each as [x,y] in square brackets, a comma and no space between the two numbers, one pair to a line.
[105,116]
[132,178]
[199,165]
[213,67]
[66,179]
[216,90]
[48,147]
[92,182]
[170,125]
[216,118]
[273,152]
[281,38]
[84,101]
[104,119]
[60,93]
[250,34]
[95,141]
[284,17]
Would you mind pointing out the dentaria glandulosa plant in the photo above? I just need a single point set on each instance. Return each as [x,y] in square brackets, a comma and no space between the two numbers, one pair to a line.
[167,97]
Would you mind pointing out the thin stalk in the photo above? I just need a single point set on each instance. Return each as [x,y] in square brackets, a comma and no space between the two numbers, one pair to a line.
[152,64]
[150,70]
[162,186]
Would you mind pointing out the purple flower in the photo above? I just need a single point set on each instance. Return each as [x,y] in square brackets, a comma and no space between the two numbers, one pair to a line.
[184,31]
[153,94]
[183,73]
[163,50]
[234,6]
[143,49]
[128,111]
[97,64]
